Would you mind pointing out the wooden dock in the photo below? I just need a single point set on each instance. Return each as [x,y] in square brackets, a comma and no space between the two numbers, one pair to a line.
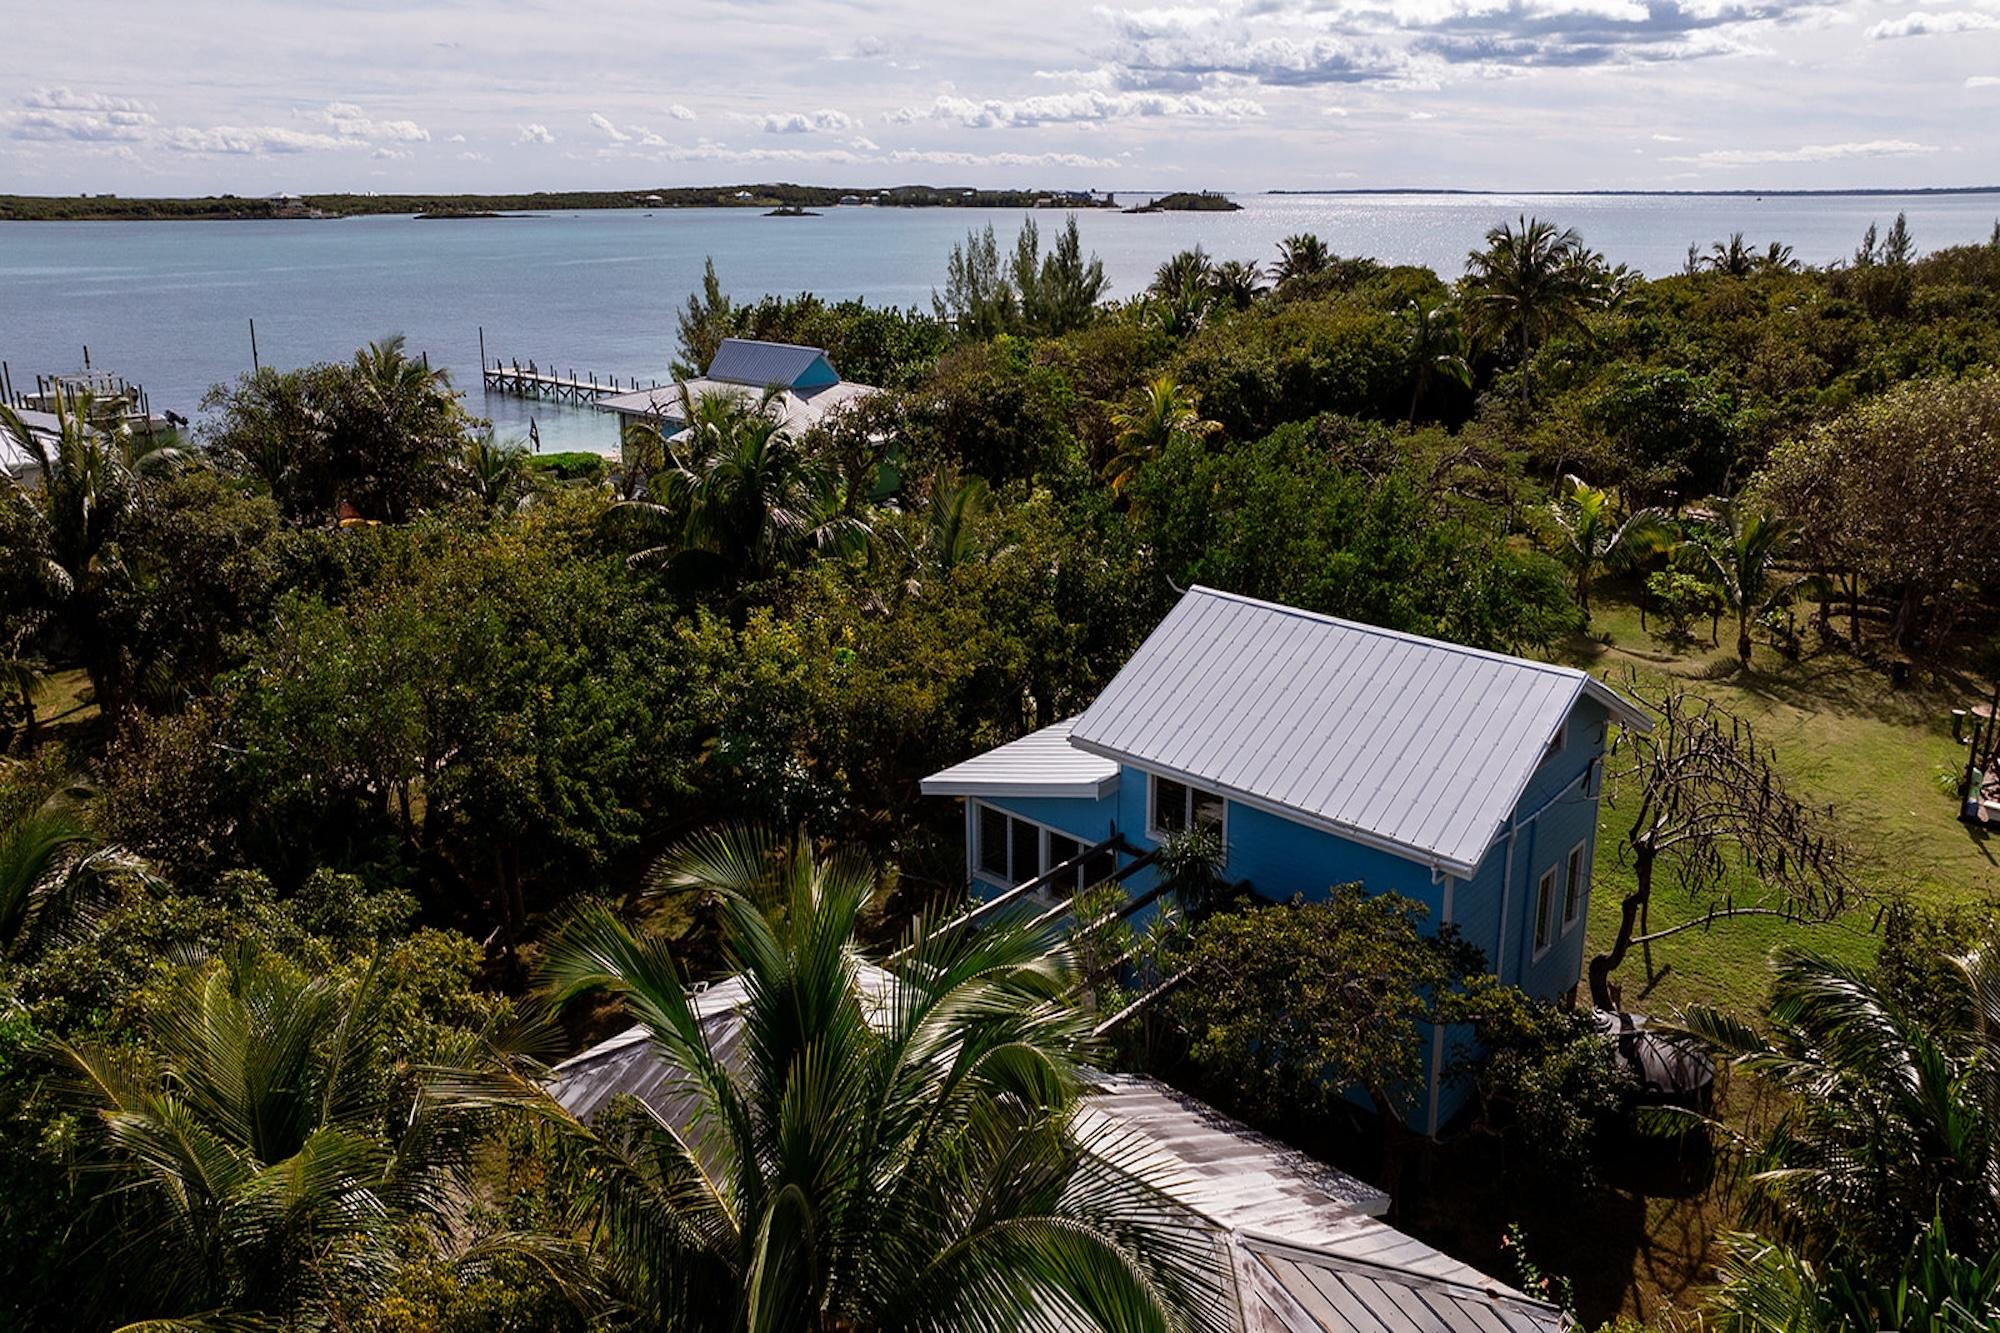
[535,381]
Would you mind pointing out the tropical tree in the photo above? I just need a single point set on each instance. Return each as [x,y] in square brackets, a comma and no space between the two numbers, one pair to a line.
[90,480]
[1777,258]
[1301,257]
[1733,258]
[1058,292]
[1164,411]
[1436,345]
[1582,531]
[1530,282]
[261,1157]
[394,431]
[1892,1113]
[951,520]
[855,1148]
[1184,288]
[1738,552]
[1238,283]
[495,470]
[52,862]
[738,496]
[1767,1286]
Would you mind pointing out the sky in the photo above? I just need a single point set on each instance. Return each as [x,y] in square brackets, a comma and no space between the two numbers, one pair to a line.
[167,97]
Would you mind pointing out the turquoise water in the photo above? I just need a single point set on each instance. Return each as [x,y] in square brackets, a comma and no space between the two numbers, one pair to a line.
[168,304]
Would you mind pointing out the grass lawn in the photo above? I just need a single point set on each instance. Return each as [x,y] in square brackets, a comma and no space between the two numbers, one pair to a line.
[1844,737]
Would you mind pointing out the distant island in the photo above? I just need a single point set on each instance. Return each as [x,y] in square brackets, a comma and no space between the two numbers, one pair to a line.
[1188,201]
[764,196]
[457,214]
[791,211]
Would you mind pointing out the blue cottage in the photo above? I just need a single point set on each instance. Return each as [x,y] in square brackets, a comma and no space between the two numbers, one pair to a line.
[1323,752]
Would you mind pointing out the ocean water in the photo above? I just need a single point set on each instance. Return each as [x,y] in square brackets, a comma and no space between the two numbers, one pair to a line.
[169,304]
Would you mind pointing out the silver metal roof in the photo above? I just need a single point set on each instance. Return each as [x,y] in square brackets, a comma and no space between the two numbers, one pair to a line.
[1287,1220]
[1287,1288]
[748,361]
[1042,763]
[796,412]
[1420,747]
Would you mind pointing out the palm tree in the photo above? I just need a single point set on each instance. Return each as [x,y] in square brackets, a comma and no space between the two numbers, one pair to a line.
[860,1149]
[1777,258]
[1530,282]
[951,517]
[261,1155]
[1893,1116]
[1185,285]
[1435,342]
[1734,258]
[1767,1286]
[90,479]
[738,496]
[1300,257]
[1581,530]
[1164,411]
[51,864]
[1738,552]
[1237,283]
[397,431]
[496,471]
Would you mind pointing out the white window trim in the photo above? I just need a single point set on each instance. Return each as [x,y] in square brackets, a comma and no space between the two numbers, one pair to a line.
[1579,856]
[1155,834]
[1553,878]
[1042,834]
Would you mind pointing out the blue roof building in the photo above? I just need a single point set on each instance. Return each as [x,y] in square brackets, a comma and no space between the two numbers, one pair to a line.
[1322,752]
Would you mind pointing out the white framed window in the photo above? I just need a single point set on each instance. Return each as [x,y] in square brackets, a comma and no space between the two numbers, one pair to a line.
[1010,850]
[1545,908]
[1173,806]
[1574,886]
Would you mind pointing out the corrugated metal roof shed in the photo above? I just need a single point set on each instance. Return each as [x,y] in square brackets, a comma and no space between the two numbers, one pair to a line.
[748,361]
[1286,1288]
[1411,744]
[1042,763]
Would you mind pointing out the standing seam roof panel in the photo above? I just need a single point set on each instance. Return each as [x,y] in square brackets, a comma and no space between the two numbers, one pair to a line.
[1415,743]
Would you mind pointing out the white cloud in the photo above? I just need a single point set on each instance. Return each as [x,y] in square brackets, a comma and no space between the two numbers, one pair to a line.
[603,122]
[1831,152]
[471,157]
[1919,23]
[456,138]
[251,140]
[535,134]
[824,121]
[1983,81]
[60,114]
[944,158]
[1077,107]
[62,99]
[348,119]
[675,111]
[1668,138]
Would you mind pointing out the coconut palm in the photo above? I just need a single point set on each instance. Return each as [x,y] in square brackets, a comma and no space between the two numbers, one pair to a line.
[1184,288]
[1733,258]
[1164,410]
[860,1149]
[951,519]
[496,471]
[1893,1114]
[261,1156]
[1300,257]
[51,864]
[1777,258]
[1435,343]
[395,430]
[1237,283]
[1582,531]
[739,496]
[1738,552]
[1767,1286]
[88,488]
[1530,282]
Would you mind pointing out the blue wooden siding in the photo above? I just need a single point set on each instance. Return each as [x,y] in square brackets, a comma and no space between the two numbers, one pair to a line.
[1494,908]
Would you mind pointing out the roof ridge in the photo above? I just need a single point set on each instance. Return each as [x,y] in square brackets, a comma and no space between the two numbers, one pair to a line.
[1265,1242]
[1404,636]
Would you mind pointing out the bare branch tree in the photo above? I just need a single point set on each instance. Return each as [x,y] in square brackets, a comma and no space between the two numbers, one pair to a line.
[1707,797]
